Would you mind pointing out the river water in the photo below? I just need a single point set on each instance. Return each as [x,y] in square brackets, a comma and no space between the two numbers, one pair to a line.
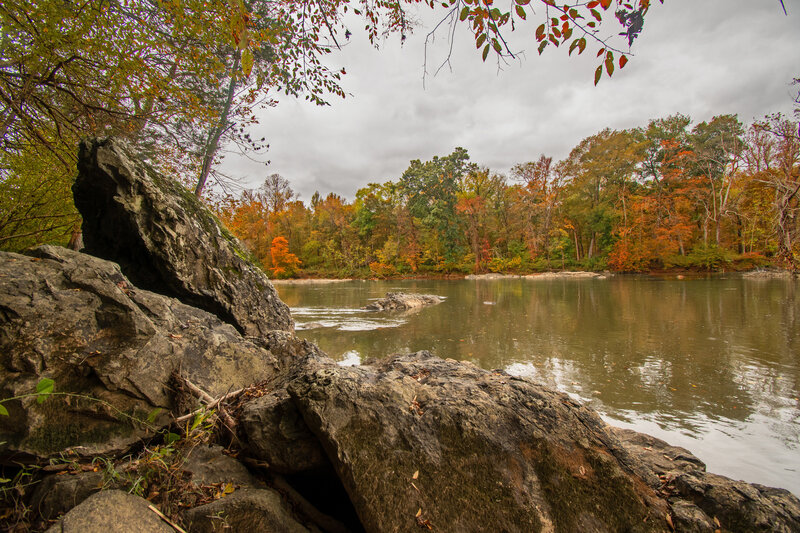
[709,364]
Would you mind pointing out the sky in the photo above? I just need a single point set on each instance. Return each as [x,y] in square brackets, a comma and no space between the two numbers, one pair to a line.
[701,58]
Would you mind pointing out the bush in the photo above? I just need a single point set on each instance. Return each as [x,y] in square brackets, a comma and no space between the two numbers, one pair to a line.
[709,257]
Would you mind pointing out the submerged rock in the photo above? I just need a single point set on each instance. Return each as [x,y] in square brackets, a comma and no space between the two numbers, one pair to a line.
[166,241]
[110,348]
[401,301]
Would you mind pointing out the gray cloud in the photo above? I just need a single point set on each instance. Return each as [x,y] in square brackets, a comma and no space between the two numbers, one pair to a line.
[701,58]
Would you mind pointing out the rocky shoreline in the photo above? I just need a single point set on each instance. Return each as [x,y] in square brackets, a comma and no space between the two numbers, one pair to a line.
[155,383]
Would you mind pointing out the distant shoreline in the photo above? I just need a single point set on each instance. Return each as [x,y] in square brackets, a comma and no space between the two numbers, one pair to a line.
[566,274]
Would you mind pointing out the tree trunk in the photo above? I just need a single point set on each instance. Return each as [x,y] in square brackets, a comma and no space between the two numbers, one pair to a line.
[212,145]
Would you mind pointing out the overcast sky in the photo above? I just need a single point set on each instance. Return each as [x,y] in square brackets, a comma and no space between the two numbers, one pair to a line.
[698,57]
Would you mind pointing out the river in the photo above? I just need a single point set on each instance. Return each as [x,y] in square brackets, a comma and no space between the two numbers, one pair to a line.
[710,364]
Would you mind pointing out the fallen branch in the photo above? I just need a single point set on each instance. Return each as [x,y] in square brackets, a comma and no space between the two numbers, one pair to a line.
[163,517]
[209,401]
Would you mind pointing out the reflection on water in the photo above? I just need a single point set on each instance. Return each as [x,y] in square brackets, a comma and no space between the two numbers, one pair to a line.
[709,364]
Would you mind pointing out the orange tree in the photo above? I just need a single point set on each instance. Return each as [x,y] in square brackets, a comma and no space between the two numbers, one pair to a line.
[284,263]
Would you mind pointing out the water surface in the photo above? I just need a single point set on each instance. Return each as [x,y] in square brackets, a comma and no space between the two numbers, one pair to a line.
[709,364]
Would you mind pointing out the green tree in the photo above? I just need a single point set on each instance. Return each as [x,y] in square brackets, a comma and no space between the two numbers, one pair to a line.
[431,190]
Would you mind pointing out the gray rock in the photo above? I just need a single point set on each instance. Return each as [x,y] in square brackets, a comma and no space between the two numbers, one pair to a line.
[739,506]
[700,499]
[209,465]
[57,494]
[660,458]
[689,518]
[76,319]
[401,301]
[244,510]
[165,240]
[419,441]
[111,511]
[276,433]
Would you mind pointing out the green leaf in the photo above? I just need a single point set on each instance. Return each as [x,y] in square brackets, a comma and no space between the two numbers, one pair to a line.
[496,46]
[521,12]
[464,13]
[44,388]
[151,417]
[198,419]
[598,74]
[3,410]
[485,52]
[481,40]
[171,438]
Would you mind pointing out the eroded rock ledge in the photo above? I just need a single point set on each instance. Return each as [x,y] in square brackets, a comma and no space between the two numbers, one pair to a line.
[406,443]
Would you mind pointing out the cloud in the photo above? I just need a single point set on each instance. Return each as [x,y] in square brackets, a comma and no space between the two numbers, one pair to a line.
[698,58]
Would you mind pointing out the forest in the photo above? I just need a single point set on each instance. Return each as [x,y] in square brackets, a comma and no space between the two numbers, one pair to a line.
[716,195]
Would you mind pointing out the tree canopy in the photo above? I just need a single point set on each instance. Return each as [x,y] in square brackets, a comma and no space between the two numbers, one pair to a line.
[182,78]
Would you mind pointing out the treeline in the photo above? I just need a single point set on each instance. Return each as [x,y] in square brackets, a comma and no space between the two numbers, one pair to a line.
[669,195]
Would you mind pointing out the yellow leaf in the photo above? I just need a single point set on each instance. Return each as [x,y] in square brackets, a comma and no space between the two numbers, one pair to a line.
[247,61]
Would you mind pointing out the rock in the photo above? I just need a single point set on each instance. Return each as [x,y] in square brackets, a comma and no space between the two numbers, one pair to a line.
[656,455]
[419,441]
[244,510]
[401,301]
[55,495]
[698,498]
[166,241]
[491,276]
[567,275]
[112,347]
[739,506]
[689,518]
[209,465]
[276,433]
[111,511]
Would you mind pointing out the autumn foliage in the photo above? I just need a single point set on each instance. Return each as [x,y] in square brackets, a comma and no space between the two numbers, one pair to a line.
[284,263]
[712,196]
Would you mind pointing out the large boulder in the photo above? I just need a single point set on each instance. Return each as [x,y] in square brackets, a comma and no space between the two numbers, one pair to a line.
[111,349]
[418,441]
[166,241]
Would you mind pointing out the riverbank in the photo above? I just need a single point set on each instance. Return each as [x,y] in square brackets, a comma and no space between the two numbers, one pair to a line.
[758,273]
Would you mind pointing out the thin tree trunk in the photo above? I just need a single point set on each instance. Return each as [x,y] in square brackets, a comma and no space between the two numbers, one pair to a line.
[213,138]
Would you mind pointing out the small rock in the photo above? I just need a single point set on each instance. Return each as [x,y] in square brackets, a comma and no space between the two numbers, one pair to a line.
[209,465]
[111,511]
[401,301]
[55,495]
[244,511]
